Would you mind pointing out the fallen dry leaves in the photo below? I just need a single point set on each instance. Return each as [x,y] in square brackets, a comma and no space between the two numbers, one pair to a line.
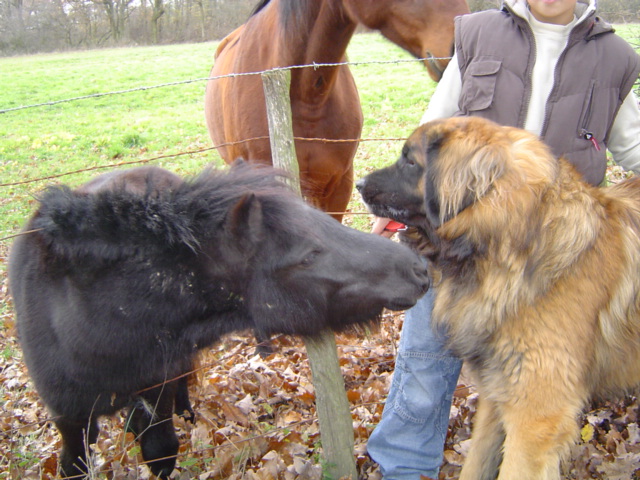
[256,418]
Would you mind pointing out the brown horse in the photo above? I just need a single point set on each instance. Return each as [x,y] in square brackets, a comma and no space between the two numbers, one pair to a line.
[324,100]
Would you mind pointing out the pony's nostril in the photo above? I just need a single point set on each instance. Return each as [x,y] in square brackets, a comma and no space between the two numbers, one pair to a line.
[360,184]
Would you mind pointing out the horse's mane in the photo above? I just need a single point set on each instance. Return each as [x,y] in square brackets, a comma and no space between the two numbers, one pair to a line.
[259,6]
[116,223]
[297,15]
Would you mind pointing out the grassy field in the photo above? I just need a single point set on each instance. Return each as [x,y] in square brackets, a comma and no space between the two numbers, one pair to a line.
[65,137]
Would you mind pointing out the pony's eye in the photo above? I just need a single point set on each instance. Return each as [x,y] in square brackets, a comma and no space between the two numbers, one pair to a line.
[310,258]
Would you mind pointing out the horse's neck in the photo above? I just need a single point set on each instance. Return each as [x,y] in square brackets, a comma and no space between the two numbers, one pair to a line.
[329,35]
[324,40]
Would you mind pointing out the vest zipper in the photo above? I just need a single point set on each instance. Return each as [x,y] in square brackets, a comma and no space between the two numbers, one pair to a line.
[584,132]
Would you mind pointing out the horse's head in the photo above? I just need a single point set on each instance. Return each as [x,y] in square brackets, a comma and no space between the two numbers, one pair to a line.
[297,270]
[422,27]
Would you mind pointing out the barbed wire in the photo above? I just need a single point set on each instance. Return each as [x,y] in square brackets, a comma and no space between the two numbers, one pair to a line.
[229,75]
[313,65]
[178,154]
[193,152]
[201,150]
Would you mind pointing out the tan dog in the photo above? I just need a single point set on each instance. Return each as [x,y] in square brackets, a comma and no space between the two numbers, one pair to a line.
[538,282]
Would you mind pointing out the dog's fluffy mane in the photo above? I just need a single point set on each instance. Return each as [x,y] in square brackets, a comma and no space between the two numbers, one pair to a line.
[535,223]
[511,176]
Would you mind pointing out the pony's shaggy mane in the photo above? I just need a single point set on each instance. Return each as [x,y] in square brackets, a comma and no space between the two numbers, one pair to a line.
[111,224]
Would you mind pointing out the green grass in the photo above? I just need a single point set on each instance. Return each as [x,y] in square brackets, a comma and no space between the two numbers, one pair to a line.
[630,32]
[88,133]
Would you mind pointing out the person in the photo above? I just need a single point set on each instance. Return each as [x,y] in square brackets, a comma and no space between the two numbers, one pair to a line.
[551,67]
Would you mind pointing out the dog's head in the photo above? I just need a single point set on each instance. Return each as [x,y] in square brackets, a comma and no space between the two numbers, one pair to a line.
[455,177]
[397,191]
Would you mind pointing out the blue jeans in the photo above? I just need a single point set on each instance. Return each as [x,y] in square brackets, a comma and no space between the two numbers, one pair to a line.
[409,440]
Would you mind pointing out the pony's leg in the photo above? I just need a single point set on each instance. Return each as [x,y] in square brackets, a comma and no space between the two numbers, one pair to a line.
[183,406]
[76,438]
[264,347]
[152,421]
[487,440]
[536,440]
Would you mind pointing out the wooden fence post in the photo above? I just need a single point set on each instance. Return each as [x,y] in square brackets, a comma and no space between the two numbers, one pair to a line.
[332,405]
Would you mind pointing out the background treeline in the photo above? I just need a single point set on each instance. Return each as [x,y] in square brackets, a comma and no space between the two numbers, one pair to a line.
[32,26]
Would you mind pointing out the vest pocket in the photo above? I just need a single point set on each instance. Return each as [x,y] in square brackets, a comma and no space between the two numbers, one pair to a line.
[479,85]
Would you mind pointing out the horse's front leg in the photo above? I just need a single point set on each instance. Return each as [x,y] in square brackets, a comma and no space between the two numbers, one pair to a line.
[336,195]
[183,406]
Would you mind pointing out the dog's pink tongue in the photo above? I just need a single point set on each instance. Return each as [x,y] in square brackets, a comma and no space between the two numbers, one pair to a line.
[394,226]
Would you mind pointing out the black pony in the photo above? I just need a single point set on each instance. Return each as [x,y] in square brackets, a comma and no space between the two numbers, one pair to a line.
[119,283]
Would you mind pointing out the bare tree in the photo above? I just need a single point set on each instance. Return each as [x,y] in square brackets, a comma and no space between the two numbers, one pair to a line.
[117,12]
[30,26]
[158,11]
[14,11]
[203,17]
[620,11]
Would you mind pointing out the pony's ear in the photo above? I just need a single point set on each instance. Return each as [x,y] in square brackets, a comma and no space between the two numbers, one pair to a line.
[244,222]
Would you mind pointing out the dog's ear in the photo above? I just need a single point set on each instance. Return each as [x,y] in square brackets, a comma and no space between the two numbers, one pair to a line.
[486,166]
[463,159]
[467,180]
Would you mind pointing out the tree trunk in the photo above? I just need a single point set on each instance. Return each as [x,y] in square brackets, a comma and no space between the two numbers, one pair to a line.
[158,11]
[203,19]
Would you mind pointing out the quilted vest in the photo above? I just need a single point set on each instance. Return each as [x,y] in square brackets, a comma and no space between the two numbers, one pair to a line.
[586,94]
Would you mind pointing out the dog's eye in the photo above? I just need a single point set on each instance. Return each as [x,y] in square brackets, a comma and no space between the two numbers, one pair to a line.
[409,161]
[408,157]
[434,146]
